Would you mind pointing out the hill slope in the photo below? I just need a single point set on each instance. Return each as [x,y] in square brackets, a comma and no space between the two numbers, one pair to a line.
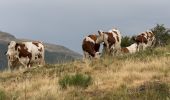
[141,76]
[53,53]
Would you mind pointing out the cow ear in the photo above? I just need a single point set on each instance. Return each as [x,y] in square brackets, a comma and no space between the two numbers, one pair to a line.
[100,32]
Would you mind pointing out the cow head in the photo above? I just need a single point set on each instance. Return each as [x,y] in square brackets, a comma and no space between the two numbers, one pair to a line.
[11,53]
[100,37]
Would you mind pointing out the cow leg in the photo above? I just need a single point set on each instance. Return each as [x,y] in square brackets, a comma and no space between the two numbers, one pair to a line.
[9,65]
[106,44]
[29,63]
[42,62]
[117,49]
[86,55]
[24,62]
[144,47]
[25,65]
[104,51]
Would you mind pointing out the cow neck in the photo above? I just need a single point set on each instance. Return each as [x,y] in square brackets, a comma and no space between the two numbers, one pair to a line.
[103,36]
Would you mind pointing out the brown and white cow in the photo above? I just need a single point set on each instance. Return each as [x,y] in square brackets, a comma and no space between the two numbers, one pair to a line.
[145,39]
[111,39]
[90,47]
[25,53]
[130,49]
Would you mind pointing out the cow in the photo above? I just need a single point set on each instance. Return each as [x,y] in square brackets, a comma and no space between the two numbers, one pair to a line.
[145,40]
[111,39]
[25,53]
[130,49]
[90,47]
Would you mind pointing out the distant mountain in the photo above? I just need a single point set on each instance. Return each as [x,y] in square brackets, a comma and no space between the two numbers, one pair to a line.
[6,36]
[53,53]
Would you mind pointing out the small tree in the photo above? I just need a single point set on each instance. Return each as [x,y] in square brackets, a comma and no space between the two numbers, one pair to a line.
[161,34]
[126,41]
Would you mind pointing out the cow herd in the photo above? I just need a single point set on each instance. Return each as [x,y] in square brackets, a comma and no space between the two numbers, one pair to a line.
[112,43]
[27,54]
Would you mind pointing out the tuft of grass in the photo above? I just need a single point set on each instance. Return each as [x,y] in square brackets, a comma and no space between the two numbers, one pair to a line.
[77,80]
[152,91]
[148,91]
[3,95]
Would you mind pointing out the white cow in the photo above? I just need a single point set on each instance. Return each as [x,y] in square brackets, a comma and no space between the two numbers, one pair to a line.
[25,53]
[90,47]
[145,40]
[111,39]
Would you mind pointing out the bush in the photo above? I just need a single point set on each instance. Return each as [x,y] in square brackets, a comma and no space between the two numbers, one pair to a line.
[126,41]
[75,80]
[162,35]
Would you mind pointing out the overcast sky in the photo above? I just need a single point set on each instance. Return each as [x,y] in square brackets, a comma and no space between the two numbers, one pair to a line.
[66,22]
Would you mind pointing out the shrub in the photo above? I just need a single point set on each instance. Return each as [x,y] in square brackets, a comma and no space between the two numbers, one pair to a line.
[162,35]
[126,41]
[79,80]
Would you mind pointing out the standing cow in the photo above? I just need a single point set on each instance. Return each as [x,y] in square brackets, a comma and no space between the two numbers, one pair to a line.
[145,39]
[90,47]
[111,39]
[25,53]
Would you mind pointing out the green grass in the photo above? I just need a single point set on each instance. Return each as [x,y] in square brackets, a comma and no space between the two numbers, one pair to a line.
[3,95]
[77,80]
[148,91]
[144,75]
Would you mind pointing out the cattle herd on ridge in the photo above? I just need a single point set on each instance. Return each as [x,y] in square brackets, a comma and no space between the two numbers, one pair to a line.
[112,43]
[28,54]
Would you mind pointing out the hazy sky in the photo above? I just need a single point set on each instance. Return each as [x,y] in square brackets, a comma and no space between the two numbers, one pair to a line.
[66,22]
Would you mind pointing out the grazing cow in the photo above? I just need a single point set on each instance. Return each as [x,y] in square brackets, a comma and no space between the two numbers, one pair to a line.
[111,39]
[145,39]
[130,49]
[25,53]
[90,47]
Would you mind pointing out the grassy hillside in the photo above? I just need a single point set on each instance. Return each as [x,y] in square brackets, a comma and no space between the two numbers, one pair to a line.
[141,76]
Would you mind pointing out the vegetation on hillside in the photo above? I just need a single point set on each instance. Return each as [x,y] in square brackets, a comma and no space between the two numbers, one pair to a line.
[144,75]
[162,35]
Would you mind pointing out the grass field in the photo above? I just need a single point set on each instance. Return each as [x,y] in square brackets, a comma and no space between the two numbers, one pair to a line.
[141,76]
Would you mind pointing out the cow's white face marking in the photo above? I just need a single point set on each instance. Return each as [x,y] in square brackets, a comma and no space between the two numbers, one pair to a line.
[11,53]
[11,44]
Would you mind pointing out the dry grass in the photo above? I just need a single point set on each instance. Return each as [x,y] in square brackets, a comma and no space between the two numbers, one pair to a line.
[109,74]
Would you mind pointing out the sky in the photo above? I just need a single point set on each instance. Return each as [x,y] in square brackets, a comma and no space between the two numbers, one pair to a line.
[67,22]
